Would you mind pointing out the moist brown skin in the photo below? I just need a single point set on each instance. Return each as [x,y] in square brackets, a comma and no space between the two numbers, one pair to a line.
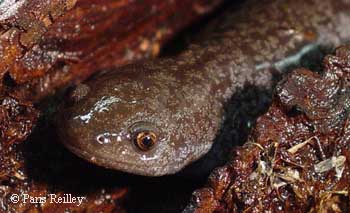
[181,99]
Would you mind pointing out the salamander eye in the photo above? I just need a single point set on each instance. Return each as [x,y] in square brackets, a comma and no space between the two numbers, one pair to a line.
[145,140]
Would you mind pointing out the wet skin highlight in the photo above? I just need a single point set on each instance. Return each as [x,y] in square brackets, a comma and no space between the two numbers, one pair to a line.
[154,118]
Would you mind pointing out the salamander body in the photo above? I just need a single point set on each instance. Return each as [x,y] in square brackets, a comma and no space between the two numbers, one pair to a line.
[153,118]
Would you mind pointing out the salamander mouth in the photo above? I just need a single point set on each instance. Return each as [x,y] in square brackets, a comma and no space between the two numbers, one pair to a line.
[124,166]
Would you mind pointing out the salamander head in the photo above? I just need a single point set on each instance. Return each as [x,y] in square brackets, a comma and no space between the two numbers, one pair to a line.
[127,124]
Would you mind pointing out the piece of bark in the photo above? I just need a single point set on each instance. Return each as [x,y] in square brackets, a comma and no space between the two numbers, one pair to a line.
[17,119]
[23,23]
[95,35]
[298,155]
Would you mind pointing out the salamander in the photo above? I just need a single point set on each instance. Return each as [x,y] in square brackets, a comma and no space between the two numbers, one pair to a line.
[155,117]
